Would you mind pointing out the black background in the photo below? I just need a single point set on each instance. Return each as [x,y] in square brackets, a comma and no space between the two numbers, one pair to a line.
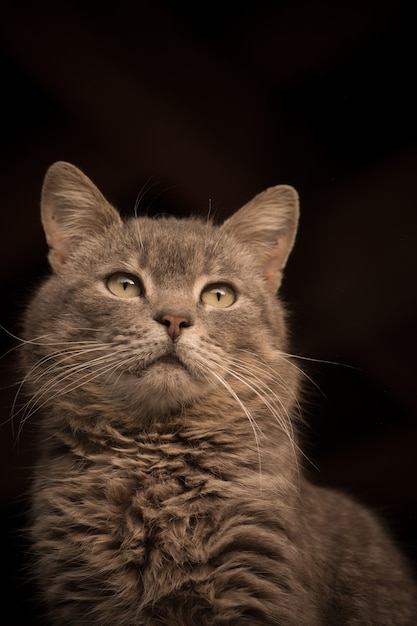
[211,103]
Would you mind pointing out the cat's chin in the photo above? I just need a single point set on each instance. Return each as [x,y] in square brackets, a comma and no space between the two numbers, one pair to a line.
[163,387]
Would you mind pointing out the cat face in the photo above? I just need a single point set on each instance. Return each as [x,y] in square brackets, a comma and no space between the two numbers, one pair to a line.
[150,316]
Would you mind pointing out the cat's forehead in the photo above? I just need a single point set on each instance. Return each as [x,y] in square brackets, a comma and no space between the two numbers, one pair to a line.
[168,247]
[172,232]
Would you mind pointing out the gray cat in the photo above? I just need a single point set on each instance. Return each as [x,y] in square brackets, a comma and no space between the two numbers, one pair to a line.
[168,489]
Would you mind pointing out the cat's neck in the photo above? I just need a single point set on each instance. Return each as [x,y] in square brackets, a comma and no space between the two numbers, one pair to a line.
[227,446]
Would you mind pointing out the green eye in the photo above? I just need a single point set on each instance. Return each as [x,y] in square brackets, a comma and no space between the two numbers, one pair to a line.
[124,285]
[219,295]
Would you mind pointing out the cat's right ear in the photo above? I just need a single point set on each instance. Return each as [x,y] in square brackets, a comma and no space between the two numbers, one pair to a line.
[72,210]
[267,226]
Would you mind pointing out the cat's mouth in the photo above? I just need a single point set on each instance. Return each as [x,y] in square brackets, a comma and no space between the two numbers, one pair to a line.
[169,359]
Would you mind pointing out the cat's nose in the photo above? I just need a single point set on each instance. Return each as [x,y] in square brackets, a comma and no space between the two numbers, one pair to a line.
[174,323]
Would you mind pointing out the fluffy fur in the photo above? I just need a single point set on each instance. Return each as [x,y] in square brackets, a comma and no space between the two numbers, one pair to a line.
[168,488]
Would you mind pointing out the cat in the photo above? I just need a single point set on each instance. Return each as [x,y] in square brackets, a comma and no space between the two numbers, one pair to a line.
[169,488]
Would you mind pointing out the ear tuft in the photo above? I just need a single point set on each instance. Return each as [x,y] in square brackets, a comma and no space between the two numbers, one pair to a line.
[267,226]
[72,210]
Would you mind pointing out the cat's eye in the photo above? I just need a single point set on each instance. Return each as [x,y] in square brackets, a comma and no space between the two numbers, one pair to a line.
[218,295]
[124,285]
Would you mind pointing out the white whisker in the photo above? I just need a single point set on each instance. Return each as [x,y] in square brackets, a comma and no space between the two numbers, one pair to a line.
[43,395]
[247,413]
[280,414]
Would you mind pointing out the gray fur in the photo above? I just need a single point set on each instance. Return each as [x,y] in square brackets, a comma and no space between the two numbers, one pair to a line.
[168,489]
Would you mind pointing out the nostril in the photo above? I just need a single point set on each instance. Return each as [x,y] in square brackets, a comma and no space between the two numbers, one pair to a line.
[175,320]
[174,323]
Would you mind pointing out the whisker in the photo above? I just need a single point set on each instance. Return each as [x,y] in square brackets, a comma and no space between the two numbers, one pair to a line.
[56,365]
[261,366]
[266,367]
[287,358]
[110,362]
[146,188]
[323,361]
[163,191]
[37,340]
[279,414]
[248,415]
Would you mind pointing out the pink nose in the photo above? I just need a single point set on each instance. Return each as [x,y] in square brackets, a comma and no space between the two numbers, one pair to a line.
[174,324]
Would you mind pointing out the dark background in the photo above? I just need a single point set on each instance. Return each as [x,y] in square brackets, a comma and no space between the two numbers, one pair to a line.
[202,104]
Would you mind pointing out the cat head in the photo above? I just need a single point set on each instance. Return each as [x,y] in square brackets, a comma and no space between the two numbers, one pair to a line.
[156,314]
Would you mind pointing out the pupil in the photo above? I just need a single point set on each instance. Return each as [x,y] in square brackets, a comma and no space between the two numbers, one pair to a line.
[218,295]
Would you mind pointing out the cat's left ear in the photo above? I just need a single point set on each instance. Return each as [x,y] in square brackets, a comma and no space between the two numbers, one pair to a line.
[267,226]
[72,210]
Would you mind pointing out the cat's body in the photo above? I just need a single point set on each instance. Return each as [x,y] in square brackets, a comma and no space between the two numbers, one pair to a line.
[169,490]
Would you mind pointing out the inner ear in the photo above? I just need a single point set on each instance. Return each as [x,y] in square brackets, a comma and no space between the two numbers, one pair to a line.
[272,264]
[267,227]
[72,210]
